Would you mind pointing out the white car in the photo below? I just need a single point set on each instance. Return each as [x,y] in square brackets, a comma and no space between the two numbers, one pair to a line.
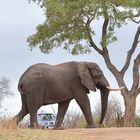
[45,120]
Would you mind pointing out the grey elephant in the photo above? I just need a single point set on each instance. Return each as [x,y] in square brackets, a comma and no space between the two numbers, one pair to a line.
[44,84]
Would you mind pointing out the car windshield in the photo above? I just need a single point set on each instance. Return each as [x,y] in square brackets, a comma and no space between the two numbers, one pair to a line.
[45,117]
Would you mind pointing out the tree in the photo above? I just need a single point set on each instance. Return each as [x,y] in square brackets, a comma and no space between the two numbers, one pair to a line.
[69,24]
[4,88]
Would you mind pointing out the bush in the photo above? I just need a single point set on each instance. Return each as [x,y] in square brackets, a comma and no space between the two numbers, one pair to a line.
[138,121]
[74,119]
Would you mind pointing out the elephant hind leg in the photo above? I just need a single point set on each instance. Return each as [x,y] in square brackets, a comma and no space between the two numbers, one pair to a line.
[33,104]
[24,110]
[20,116]
[62,108]
[33,119]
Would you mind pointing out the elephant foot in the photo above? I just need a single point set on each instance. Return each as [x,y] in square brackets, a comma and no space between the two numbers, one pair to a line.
[100,126]
[90,126]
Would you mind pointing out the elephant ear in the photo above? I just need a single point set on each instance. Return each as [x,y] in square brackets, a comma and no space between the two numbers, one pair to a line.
[85,76]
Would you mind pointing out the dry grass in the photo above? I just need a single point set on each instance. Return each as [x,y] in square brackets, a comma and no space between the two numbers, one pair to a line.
[9,130]
[7,124]
[28,134]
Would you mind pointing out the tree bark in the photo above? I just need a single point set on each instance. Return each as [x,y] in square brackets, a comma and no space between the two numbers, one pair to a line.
[128,95]
[130,106]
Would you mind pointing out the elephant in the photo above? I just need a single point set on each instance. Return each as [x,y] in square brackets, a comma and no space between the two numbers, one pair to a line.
[44,84]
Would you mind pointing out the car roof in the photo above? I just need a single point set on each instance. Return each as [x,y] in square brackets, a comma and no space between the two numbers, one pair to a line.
[43,113]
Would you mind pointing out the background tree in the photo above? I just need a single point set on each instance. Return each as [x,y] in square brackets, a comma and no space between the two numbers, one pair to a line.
[74,119]
[4,88]
[69,24]
[114,115]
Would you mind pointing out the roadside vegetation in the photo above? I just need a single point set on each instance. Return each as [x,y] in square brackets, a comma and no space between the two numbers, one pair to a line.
[9,131]
[5,88]
[73,119]
[114,116]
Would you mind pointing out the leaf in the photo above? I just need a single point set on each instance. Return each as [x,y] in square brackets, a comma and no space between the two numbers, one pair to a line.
[71,22]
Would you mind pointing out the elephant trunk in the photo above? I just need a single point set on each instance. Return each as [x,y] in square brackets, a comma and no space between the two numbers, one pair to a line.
[104,103]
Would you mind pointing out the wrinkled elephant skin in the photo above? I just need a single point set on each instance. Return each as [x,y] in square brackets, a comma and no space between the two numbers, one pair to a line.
[43,84]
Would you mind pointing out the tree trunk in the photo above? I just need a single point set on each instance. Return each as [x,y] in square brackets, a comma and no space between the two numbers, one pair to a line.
[130,106]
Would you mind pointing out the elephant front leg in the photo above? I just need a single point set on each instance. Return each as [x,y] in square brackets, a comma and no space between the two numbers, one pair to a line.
[62,108]
[83,102]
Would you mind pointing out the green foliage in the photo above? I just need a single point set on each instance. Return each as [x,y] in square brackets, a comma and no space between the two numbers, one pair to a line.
[69,23]
[138,121]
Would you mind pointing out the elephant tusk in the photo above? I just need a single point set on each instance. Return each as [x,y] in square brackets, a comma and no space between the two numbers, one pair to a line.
[115,89]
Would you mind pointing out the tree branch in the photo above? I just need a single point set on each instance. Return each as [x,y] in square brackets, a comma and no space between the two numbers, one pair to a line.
[115,72]
[131,51]
[104,27]
[106,57]
[105,54]
[109,64]
[136,75]
[92,43]
[104,34]
[137,15]
[137,92]
[136,21]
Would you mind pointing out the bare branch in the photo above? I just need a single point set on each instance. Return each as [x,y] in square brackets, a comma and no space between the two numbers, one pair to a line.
[136,21]
[4,88]
[136,71]
[104,33]
[137,15]
[105,50]
[115,72]
[104,27]
[137,92]
[106,56]
[136,75]
[92,43]
[109,64]
[131,51]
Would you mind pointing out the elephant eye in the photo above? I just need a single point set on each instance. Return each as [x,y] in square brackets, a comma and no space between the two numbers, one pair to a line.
[96,72]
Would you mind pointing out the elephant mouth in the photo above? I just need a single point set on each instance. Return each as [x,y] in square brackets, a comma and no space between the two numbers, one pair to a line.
[101,86]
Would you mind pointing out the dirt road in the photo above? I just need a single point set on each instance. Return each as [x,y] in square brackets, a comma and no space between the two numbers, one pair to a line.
[106,133]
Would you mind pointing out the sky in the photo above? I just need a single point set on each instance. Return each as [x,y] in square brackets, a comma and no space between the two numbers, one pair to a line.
[19,20]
